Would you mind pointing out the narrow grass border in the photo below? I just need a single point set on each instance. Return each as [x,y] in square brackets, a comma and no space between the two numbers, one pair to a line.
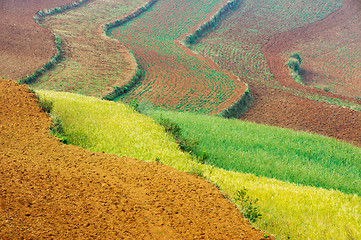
[211,24]
[109,26]
[49,65]
[238,107]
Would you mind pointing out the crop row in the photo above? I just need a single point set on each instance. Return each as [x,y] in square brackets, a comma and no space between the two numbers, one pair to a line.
[174,78]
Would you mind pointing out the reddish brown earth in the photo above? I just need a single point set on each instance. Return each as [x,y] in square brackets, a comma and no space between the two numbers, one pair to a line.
[282,109]
[331,50]
[51,190]
[25,46]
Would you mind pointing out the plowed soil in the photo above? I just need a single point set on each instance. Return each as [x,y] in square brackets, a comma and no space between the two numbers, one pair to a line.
[24,45]
[281,109]
[51,190]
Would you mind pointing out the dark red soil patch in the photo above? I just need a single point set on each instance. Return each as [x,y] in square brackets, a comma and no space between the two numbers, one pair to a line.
[24,45]
[331,50]
[51,190]
[281,109]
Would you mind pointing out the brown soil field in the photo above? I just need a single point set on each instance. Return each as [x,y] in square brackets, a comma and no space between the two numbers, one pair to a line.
[25,46]
[51,190]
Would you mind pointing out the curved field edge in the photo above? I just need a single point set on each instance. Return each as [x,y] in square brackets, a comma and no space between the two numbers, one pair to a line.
[288,210]
[288,40]
[331,56]
[92,63]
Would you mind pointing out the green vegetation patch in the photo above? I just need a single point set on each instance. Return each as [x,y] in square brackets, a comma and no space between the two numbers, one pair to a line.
[297,157]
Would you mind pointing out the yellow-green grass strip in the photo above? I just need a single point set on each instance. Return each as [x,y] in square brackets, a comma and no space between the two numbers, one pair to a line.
[289,211]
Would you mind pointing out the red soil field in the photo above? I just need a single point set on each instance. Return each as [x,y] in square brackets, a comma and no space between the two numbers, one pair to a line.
[285,110]
[52,190]
[331,50]
[25,46]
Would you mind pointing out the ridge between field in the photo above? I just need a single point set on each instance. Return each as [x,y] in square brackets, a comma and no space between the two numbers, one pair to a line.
[242,102]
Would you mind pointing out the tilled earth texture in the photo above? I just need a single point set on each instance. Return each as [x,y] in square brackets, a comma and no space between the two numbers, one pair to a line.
[25,46]
[49,190]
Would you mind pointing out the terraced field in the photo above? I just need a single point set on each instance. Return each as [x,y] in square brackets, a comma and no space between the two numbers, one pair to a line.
[303,186]
[92,64]
[175,78]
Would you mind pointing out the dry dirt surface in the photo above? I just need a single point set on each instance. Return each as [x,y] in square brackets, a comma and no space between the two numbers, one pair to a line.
[282,109]
[49,190]
[24,45]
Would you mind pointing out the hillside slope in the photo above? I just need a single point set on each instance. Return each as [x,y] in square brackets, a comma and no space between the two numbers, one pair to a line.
[51,190]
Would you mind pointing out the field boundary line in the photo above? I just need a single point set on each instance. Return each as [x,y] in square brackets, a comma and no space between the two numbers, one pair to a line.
[139,72]
[39,16]
[184,42]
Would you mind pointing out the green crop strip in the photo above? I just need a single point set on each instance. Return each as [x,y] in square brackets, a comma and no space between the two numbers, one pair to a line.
[300,158]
